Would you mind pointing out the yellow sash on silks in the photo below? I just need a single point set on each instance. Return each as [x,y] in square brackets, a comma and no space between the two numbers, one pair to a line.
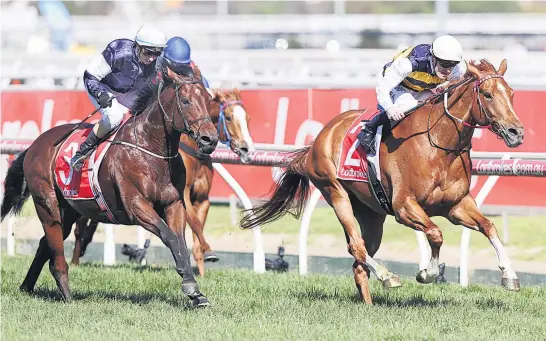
[417,80]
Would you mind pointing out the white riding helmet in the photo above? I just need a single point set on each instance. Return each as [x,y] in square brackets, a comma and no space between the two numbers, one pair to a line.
[150,36]
[447,48]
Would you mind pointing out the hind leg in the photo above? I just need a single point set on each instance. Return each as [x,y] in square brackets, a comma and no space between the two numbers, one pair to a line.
[466,213]
[338,198]
[57,222]
[41,257]
[410,213]
[371,228]
[83,235]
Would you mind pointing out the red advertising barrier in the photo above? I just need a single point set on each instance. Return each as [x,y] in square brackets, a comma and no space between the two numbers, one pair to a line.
[290,117]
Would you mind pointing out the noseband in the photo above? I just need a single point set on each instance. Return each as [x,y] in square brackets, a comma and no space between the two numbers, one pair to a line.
[183,106]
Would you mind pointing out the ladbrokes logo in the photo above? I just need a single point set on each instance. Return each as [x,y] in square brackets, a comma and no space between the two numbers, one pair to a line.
[511,167]
[353,173]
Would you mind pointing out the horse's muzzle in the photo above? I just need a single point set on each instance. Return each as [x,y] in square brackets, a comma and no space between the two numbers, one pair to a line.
[207,144]
[513,136]
[243,152]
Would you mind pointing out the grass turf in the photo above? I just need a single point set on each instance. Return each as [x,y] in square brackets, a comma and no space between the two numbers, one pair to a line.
[127,302]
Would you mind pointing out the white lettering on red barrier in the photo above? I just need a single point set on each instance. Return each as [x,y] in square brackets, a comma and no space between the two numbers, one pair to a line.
[509,167]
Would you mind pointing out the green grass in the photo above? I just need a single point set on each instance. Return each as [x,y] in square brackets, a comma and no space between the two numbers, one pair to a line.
[130,303]
[527,233]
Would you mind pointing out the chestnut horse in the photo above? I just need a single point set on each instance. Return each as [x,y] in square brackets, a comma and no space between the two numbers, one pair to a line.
[425,169]
[231,119]
[142,177]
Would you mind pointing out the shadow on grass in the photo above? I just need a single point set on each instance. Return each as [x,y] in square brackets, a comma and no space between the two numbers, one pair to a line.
[132,266]
[396,301]
[136,298]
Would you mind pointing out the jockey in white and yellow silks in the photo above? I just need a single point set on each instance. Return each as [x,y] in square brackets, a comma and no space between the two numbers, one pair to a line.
[414,75]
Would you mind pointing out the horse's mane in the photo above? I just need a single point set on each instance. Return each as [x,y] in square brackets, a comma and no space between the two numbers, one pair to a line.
[483,65]
[146,94]
[227,94]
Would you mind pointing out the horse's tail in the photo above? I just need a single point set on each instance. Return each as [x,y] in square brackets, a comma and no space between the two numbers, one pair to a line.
[16,191]
[290,194]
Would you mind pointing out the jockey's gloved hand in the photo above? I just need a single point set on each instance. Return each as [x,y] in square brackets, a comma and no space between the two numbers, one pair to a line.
[105,99]
[395,113]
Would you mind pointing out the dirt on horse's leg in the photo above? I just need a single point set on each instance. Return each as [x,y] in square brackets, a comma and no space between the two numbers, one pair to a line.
[173,238]
[466,213]
[411,214]
[338,198]
[371,229]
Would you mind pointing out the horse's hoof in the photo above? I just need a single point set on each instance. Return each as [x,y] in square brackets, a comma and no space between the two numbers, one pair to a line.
[424,278]
[392,282]
[26,289]
[200,302]
[511,284]
[191,289]
[210,256]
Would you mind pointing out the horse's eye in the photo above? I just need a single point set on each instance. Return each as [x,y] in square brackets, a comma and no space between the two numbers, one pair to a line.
[228,118]
[487,95]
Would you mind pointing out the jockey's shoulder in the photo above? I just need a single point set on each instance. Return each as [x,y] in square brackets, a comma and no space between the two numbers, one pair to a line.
[121,44]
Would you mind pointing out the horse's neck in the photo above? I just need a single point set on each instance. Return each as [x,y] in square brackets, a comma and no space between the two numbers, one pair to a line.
[447,132]
[153,128]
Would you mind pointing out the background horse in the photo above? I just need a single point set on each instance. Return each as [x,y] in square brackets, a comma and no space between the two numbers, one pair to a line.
[425,169]
[142,178]
[231,119]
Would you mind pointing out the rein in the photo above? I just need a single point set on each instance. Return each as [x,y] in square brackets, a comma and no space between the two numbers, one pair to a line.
[182,104]
[475,99]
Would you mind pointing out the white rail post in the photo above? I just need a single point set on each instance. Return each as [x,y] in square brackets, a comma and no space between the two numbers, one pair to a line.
[10,239]
[465,237]
[505,229]
[259,254]
[109,255]
[141,237]
[304,230]
[233,209]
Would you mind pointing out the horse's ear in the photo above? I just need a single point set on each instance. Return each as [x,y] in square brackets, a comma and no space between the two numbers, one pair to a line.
[237,92]
[197,72]
[473,70]
[502,68]
[220,95]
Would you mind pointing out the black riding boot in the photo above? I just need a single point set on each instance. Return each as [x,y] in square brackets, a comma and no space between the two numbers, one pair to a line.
[77,160]
[367,135]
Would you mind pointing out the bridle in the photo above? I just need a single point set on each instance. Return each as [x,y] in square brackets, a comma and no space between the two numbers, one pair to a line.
[222,125]
[495,128]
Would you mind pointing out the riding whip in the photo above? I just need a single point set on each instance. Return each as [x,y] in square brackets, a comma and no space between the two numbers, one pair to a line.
[78,125]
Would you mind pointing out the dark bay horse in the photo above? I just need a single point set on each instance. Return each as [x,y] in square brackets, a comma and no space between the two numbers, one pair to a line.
[425,169]
[231,119]
[142,177]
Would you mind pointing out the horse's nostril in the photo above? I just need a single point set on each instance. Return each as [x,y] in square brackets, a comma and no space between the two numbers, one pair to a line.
[513,131]
[206,140]
[244,150]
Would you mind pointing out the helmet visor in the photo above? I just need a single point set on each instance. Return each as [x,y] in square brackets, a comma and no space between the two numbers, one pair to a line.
[447,64]
[151,51]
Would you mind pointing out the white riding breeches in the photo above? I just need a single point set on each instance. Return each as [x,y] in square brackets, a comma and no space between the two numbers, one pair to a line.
[111,116]
[406,98]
